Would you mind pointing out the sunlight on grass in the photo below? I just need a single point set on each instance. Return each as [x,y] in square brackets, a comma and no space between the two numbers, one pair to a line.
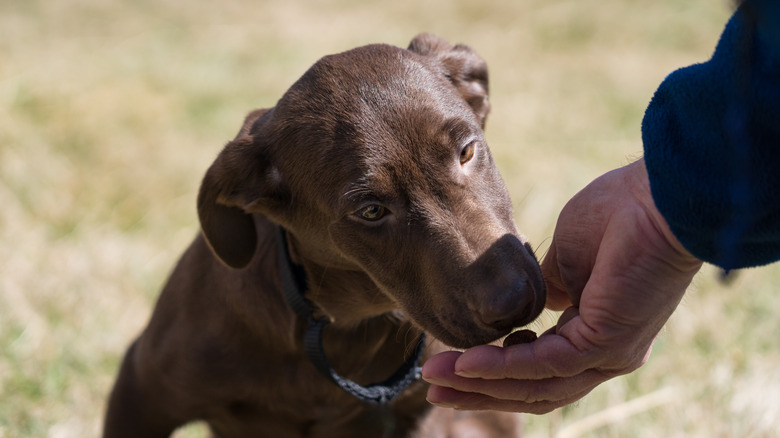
[110,113]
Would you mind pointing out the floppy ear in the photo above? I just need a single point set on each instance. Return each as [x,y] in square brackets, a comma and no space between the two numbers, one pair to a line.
[242,177]
[463,67]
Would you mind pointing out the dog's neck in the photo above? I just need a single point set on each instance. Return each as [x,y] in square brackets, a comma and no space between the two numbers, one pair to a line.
[379,341]
[346,297]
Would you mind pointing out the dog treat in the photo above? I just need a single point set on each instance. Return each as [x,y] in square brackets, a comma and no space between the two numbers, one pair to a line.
[520,337]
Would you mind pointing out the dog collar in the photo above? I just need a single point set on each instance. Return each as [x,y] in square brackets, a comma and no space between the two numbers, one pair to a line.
[294,284]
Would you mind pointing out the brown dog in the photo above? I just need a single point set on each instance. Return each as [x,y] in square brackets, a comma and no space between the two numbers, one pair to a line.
[371,182]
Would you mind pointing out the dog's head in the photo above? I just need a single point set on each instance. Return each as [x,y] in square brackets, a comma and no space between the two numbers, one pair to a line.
[375,162]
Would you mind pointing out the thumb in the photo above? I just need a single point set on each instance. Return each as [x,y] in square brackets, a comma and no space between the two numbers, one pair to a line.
[569,262]
[557,298]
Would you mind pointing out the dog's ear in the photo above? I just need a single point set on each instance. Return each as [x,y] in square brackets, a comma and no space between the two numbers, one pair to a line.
[462,66]
[242,178]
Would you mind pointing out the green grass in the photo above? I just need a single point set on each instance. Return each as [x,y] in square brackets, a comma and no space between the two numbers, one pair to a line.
[110,113]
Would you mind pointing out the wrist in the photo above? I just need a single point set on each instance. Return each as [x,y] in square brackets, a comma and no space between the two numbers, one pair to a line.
[639,181]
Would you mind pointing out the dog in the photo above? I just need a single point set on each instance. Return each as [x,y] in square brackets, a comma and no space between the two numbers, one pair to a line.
[360,212]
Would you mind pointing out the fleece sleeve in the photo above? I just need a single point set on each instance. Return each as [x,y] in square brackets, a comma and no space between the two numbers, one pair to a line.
[711,138]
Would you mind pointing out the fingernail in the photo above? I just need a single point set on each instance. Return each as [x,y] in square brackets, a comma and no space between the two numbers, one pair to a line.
[465,374]
[441,405]
[437,382]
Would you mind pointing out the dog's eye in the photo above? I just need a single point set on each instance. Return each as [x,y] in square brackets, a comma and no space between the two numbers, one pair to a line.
[372,212]
[467,153]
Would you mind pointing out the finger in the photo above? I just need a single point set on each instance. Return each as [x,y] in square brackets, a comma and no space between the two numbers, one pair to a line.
[440,368]
[549,356]
[531,391]
[450,398]
[567,315]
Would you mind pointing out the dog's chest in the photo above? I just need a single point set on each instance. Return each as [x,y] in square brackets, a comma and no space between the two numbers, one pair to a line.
[319,410]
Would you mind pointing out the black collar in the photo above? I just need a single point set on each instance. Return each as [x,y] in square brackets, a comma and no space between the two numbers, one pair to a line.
[294,284]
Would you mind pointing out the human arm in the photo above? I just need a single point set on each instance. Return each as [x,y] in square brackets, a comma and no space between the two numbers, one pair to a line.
[711,137]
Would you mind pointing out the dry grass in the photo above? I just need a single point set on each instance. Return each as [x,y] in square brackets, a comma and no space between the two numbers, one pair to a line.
[111,111]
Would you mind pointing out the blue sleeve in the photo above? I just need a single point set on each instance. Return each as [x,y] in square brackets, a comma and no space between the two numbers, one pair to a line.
[711,139]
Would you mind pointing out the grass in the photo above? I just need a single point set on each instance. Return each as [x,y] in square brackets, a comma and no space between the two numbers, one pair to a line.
[110,113]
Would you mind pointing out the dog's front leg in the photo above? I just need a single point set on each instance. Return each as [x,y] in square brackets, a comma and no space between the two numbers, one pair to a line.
[134,409]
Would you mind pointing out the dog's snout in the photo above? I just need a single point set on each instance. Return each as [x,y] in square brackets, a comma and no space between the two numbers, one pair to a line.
[510,292]
[511,307]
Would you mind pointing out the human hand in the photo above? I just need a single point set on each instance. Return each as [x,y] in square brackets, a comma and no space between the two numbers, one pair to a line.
[619,272]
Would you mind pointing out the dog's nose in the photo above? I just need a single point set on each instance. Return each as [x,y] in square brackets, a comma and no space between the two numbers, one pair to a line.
[511,307]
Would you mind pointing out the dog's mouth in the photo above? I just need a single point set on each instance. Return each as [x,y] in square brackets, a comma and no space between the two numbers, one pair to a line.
[485,315]
[469,332]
